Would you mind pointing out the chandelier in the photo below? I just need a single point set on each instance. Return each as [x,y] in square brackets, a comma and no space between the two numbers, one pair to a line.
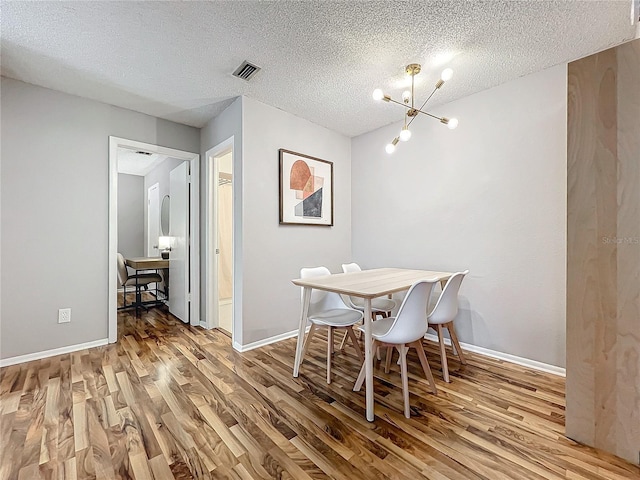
[408,102]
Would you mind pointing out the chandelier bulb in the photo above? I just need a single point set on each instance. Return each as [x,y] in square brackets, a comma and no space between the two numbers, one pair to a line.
[406,96]
[446,75]
[405,134]
[378,94]
[391,147]
[453,123]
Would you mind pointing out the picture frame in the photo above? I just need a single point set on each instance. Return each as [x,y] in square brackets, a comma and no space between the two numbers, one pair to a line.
[306,189]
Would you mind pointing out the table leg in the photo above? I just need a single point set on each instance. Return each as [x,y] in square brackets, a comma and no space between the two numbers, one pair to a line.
[368,360]
[306,297]
[138,295]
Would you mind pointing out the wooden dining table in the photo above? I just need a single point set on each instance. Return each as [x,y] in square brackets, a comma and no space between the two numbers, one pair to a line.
[366,284]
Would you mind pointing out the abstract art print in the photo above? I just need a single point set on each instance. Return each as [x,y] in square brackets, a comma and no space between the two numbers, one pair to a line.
[306,189]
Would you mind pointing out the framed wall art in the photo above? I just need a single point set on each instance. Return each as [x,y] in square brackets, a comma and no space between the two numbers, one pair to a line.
[306,189]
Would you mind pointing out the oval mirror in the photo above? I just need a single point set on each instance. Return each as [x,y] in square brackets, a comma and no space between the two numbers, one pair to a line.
[164,215]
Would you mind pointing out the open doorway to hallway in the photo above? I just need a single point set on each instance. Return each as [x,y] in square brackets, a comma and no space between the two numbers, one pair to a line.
[153,230]
[220,240]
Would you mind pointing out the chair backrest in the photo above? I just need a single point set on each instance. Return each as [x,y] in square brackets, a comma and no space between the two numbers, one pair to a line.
[446,307]
[351,267]
[411,322]
[348,268]
[321,301]
[123,275]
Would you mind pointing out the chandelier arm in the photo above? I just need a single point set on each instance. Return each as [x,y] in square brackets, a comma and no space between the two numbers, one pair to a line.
[428,98]
[417,109]
[429,114]
[426,113]
[408,107]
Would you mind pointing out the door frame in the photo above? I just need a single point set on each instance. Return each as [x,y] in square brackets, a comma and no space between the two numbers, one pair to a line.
[194,227]
[211,259]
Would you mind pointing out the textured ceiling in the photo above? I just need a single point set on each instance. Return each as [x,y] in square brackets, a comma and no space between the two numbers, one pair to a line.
[320,60]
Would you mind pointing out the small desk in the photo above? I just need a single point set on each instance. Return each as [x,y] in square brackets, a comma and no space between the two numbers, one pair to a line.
[147,263]
[366,284]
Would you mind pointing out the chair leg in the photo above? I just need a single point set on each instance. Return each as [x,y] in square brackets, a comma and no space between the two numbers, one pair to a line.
[405,380]
[361,376]
[329,352]
[387,360]
[443,355]
[307,341]
[352,336]
[425,365]
[343,342]
[454,341]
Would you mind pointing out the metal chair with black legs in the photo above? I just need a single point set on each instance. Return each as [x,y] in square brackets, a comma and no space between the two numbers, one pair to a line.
[139,281]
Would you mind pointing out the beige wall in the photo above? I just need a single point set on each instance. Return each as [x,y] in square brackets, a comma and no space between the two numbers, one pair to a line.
[603,251]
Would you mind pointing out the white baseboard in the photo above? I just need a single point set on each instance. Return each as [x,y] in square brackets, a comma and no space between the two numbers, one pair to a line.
[526,362]
[5,362]
[266,341]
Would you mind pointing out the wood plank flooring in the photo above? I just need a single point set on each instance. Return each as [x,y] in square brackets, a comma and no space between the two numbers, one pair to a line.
[171,401]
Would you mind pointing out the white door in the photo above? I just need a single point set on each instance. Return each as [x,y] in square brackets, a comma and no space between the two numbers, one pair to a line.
[153,221]
[179,233]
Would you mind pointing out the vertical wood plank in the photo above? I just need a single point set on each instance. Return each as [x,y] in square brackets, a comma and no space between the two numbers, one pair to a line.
[628,320]
[603,251]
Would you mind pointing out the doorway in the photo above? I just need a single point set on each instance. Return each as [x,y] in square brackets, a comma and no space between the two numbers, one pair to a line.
[220,226]
[182,177]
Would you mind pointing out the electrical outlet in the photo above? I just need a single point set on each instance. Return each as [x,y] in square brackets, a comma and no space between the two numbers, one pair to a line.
[64,315]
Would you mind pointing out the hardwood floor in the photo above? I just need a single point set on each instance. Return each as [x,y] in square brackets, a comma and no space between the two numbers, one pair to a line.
[171,401]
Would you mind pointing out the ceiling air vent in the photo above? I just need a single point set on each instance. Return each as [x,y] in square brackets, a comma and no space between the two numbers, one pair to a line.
[246,71]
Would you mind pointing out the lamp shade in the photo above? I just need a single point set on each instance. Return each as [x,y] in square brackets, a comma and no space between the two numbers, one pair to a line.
[164,243]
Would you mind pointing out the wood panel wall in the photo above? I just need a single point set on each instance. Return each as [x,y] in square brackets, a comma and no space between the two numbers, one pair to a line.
[603,251]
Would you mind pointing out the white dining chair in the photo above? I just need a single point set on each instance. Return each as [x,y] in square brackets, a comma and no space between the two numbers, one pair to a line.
[379,306]
[327,309]
[405,330]
[443,315]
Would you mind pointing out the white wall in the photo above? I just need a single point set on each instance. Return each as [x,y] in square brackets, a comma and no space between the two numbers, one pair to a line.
[54,219]
[226,125]
[131,206]
[274,253]
[159,175]
[489,196]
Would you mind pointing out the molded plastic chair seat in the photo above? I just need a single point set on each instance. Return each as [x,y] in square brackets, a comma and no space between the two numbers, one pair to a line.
[377,304]
[336,318]
[381,327]
[404,331]
[327,309]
